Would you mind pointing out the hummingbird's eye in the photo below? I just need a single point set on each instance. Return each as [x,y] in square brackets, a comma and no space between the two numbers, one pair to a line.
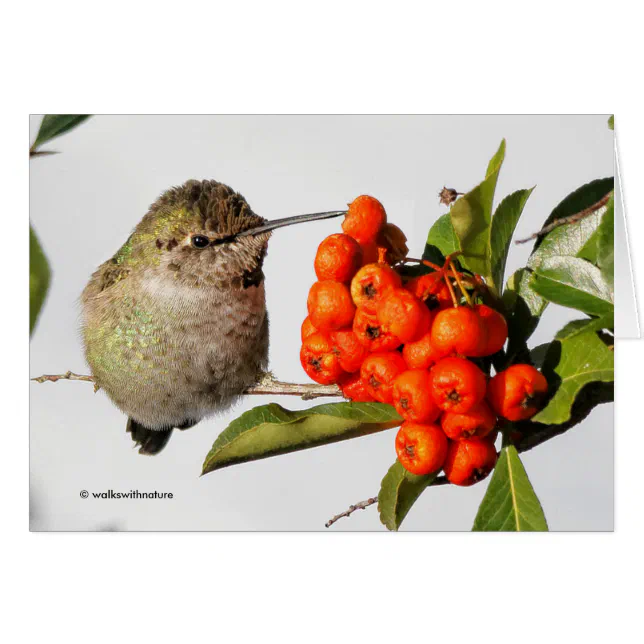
[200,241]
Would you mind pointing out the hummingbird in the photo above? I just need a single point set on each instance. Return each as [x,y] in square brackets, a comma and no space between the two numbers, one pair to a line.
[174,325]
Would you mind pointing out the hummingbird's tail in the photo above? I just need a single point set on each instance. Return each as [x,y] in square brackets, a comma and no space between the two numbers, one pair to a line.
[151,441]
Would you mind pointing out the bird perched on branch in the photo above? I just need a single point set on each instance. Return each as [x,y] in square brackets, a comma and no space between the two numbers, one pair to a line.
[175,325]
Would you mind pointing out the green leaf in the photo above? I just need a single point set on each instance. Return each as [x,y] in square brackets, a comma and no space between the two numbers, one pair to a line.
[270,430]
[611,121]
[504,222]
[538,354]
[471,218]
[510,503]
[574,283]
[571,238]
[576,358]
[398,492]
[54,125]
[496,161]
[441,240]
[590,396]
[589,249]
[579,326]
[39,277]
[524,305]
[606,243]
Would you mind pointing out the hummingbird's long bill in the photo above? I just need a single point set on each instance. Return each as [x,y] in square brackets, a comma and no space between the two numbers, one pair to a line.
[289,221]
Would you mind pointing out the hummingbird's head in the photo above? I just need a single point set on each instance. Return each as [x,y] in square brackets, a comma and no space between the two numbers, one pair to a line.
[190,232]
[204,233]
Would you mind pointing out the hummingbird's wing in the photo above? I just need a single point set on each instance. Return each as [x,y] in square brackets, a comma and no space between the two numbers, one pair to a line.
[113,270]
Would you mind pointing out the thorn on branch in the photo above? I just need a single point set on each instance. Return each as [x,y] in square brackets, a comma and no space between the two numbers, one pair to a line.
[362,505]
[572,219]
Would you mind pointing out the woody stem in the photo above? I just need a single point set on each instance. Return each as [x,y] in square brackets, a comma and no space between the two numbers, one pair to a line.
[266,386]
[460,284]
[413,260]
[451,290]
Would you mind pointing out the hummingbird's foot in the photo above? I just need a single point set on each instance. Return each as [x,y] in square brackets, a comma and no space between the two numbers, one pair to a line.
[149,441]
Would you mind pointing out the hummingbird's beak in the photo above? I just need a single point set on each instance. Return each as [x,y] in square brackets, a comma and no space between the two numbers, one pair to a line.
[289,221]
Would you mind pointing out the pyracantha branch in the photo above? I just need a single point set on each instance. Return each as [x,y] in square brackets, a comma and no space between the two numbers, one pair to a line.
[267,386]
[441,480]
[572,219]
[63,376]
[66,376]
[362,505]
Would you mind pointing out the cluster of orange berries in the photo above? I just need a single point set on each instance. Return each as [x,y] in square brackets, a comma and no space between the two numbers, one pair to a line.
[410,343]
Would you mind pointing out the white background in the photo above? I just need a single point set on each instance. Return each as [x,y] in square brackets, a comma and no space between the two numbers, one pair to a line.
[558,57]
[84,203]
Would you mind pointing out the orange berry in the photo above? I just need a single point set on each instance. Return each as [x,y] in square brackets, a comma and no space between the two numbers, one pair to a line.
[457,384]
[394,241]
[401,313]
[365,218]
[330,306]
[496,327]
[348,349]
[517,392]
[421,448]
[371,282]
[338,258]
[458,330]
[307,329]
[421,354]
[379,370]
[354,388]
[412,397]
[479,421]
[430,288]
[371,334]
[369,253]
[469,461]
[319,360]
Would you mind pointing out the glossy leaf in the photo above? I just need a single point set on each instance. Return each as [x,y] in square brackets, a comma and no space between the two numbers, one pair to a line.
[589,249]
[471,217]
[54,125]
[399,490]
[580,326]
[441,240]
[270,430]
[39,277]
[504,222]
[532,434]
[573,283]
[510,503]
[611,121]
[523,304]
[606,243]
[576,357]
[538,354]
[582,198]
